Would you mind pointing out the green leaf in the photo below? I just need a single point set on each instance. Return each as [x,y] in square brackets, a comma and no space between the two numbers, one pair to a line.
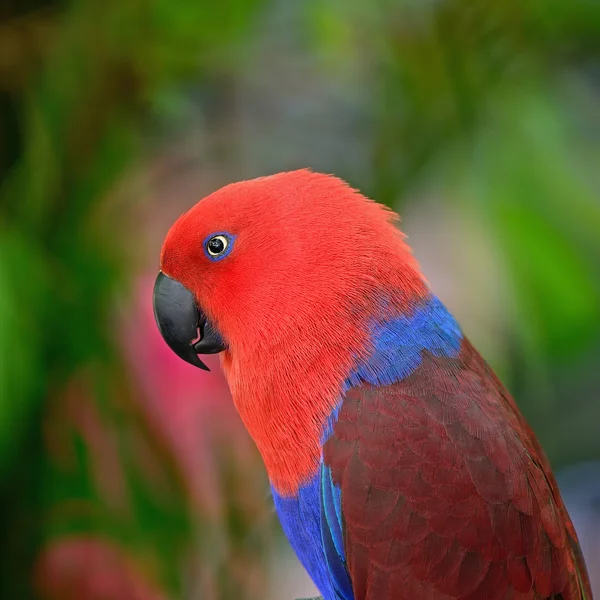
[545,219]
[21,333]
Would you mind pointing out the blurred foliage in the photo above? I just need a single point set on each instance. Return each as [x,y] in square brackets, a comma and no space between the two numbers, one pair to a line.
[78,82]
[492,101]
[496,103]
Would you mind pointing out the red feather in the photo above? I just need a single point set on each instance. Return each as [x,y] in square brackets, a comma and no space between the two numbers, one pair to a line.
[447,494]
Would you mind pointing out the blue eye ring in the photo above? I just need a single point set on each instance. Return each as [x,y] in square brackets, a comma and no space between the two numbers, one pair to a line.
[218,245]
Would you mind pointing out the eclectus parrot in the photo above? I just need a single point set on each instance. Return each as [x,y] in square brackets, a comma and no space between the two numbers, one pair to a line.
[400,466]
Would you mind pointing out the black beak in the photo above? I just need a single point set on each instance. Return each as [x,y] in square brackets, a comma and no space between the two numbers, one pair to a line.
[182,324]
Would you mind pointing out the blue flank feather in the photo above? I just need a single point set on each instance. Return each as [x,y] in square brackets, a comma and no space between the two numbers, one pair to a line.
[331,535]
[312,521]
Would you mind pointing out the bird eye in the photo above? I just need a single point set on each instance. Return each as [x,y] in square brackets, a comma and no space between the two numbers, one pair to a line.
[217,245]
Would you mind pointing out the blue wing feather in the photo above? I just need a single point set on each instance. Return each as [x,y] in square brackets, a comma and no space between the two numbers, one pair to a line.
[331,500]
[331,531]
[312,523]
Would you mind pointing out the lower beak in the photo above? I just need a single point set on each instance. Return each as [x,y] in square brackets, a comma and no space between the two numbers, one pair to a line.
[182,324]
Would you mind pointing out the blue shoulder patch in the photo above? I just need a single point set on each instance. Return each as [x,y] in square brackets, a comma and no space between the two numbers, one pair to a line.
[398,344]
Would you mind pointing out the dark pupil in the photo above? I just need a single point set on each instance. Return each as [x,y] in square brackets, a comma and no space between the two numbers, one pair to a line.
[216,246]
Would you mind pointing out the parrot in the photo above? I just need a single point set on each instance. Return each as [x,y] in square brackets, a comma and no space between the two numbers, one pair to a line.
[400,466]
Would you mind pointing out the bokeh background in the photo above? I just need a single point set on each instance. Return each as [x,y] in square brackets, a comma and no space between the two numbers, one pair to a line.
[124,472]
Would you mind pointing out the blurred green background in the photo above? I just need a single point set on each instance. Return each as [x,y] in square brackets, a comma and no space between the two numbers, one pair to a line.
[124,472]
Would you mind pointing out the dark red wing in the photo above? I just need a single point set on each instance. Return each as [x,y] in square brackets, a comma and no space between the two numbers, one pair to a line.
[446,493]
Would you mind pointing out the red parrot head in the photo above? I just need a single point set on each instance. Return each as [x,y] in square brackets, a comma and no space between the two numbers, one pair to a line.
[260,262]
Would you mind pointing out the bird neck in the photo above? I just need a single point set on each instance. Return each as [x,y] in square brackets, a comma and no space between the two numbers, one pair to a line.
[290,404]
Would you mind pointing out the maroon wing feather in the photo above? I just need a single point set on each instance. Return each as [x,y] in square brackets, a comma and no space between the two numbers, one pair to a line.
[447,494]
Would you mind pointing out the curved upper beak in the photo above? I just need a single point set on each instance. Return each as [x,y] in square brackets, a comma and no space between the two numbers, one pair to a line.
[182,324]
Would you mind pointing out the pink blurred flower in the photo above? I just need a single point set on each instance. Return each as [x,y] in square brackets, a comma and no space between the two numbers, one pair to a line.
[75,411]
[81,567]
